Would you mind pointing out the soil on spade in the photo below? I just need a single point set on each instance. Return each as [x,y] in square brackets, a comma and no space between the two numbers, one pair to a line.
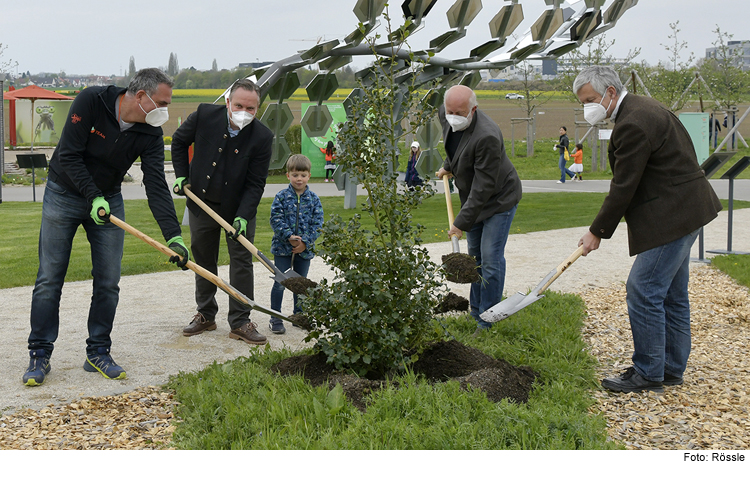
[450,360]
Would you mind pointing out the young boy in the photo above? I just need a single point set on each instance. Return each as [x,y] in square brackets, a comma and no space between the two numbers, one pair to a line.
[296,219]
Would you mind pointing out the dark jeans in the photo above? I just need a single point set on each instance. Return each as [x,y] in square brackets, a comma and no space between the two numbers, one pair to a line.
[563,169]
[62,212]
[301,267]
[205,239]
[486,241]
[659,309]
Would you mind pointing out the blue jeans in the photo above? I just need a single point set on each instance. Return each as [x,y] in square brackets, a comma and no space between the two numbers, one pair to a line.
[659,309]
[301,267]
[486,241]
[62,212]
[563,169]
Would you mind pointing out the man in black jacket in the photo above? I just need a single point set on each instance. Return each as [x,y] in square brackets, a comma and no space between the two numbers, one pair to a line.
[489,189]
[228,172]
[107,129]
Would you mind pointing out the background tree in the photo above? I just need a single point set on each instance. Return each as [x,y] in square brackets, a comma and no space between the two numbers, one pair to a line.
[173,67]
[723,71]
[214,66]
[131,68]
[6,65]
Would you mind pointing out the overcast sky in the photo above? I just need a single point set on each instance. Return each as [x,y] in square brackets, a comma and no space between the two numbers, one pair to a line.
[99,37]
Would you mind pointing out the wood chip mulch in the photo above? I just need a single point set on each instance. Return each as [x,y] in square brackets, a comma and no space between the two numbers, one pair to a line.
[709,411]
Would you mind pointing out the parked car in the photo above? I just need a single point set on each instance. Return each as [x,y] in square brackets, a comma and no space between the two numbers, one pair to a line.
[514,96]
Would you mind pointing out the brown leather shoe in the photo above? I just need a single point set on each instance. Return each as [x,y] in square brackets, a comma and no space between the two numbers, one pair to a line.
[198,325]
[249,333]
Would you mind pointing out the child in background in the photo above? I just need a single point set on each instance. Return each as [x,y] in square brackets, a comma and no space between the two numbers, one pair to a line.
[296,219]
[577,166]
[412,176]
[330,152]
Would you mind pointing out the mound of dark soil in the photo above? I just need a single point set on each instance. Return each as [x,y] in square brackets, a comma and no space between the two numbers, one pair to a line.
[299,285]
[460,268]
[441,361]
[452,302]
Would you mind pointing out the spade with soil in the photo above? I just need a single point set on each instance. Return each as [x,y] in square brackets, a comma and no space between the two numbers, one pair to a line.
[279,276]
[218,281]
[459,268]
[511,305]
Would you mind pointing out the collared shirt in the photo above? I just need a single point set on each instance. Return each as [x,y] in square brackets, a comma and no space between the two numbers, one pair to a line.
[617,107]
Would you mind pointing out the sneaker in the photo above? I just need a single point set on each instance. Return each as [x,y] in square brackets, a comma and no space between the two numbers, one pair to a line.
[103,363]
[671,380]
[38,369]
[249,333]
[277,328]
[560,182]
[631,381]
[198,325]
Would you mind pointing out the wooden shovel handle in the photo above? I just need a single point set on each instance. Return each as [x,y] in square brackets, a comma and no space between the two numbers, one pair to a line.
[237,295]
[228,227]
[448,201]
[562,267]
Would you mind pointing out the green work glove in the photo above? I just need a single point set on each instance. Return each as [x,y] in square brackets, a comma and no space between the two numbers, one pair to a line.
[178,186]
[240,227]
[178,245]
[97,205]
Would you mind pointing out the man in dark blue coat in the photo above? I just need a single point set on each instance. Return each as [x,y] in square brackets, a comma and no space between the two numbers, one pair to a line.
[228,172]
[107,129]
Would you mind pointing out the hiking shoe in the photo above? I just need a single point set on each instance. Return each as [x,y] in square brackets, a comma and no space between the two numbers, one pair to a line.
[671,380]
[198,325]
[631,381]
[38,369]
[103,363]
[277,328]
[249,333]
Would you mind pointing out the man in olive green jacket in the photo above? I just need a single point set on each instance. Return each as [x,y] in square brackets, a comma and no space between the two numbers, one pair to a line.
[660,189]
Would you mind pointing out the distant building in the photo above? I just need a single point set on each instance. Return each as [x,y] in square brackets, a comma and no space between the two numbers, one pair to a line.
[739,48]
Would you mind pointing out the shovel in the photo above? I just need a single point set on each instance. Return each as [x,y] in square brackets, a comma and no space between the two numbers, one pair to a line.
[279,276]
[459,268]
[233,293]
[513,304]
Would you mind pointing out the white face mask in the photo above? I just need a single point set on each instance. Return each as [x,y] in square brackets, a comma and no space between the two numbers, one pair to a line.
[458,122]
[242,118]
[157,116]
[595,112]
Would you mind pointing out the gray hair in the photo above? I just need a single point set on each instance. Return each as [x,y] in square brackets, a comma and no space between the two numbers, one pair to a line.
[600,77]
[246,84]
[148,79]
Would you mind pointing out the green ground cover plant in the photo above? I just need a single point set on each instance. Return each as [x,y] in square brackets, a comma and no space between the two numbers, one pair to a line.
[242,405]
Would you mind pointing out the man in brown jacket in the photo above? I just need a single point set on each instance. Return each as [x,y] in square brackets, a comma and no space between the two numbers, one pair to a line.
[660,189]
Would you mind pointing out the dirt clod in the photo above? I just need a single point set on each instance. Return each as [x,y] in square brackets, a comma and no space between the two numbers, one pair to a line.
[452,302]
[301,321]
[299,285]
[460,268]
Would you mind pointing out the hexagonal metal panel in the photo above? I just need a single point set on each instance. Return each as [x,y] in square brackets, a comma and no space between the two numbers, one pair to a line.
[428,163]
[278,118]
[430,134]
[280,153]
[316,121]
[285,87]
[322,87]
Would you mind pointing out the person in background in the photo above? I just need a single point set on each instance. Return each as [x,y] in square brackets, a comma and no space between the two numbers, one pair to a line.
[107,129]
[489,189]
[562,147]
[296,219]
[412,176]
[330,152]
[577,166]
[228,172]
[661,190]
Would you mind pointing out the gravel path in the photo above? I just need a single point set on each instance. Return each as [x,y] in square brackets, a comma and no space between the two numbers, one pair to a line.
[153,309]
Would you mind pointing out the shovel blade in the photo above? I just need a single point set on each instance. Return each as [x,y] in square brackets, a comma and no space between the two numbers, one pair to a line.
[282,276]
[508,307]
